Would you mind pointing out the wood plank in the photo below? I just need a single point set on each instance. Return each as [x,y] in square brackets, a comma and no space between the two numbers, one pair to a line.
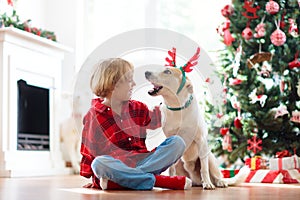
[70,187]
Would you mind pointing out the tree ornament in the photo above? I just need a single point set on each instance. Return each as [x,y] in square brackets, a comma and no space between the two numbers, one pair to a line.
[227,142]
[266,69]
[251,9]
[219,115]
[260,29]
[235,81]
[299,3]
[224,131]
[280,111]
[298,88]
[261,98]
[235,103]
[227,11]
[254,144]
[237,60]
[282,22]
[282,85]
[272,7]
[278,37]
[293,29]
[295,116]
[224,32]
[225,89]
[259,58]
[237,122]
[247,33]
[296,62]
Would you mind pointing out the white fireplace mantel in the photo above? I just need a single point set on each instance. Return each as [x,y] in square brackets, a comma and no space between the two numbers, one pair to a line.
[38,61]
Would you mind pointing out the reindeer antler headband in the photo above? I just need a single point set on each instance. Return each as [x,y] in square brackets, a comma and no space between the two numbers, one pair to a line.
[185,68]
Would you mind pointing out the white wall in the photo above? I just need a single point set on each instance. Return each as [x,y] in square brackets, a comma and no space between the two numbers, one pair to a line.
[66,18]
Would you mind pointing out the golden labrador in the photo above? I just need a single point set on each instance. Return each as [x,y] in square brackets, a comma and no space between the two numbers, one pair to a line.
[182,117]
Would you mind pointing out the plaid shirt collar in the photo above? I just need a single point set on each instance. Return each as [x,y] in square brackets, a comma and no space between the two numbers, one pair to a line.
[98,105]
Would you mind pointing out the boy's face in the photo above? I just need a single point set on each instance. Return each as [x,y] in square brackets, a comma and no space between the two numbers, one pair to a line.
[123,88]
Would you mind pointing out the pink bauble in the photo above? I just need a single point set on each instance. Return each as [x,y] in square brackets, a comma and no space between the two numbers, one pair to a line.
[278,37]
[272,7]
[247,33]
[227,10]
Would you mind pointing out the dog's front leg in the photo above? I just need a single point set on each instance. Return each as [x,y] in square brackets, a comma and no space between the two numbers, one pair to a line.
[204,153]
[206,182]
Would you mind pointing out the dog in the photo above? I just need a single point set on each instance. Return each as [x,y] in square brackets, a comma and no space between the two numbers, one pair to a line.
[182,117]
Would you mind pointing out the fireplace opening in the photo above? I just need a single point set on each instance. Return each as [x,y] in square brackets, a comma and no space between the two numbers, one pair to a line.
[33,117]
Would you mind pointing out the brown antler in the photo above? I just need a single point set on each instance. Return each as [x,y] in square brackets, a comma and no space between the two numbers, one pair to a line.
[172,61]
[192,61]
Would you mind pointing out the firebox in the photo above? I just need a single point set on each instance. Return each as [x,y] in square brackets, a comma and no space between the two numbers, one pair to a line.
[33,117]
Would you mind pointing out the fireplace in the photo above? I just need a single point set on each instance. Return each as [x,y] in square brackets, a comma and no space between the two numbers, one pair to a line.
[33,117]
[30,92]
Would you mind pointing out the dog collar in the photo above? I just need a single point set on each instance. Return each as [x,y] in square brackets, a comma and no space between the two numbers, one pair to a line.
[187,104]
[183,80]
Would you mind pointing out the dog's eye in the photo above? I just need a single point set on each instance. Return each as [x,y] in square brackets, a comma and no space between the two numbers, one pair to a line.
[167,71]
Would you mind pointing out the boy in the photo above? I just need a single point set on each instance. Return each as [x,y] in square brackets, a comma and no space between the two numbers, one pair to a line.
[113,145]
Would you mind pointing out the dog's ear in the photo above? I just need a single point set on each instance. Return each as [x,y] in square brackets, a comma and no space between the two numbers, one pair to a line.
[189,88]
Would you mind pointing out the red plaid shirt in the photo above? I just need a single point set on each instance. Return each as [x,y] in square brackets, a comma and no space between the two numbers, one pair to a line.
[122,137]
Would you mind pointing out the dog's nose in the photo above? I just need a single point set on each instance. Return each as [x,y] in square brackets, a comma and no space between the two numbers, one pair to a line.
[147,74]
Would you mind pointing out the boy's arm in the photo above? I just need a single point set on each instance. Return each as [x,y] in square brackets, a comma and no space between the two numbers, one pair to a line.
[155,118]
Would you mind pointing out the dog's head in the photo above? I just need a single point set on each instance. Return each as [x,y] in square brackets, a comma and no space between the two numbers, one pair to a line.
[167,80]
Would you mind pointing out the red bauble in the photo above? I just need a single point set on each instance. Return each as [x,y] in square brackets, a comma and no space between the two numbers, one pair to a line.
[227,10]
[272,7]
[294,64]
[278,37]
[224,131]
[247,33]
[235,81]
[237,122]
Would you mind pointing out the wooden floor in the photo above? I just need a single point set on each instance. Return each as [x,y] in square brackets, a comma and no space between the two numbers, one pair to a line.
[69,188]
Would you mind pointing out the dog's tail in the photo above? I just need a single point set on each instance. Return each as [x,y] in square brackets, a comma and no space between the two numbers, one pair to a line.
[239,178]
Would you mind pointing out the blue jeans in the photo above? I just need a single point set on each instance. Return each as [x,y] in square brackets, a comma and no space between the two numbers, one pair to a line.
[142,176]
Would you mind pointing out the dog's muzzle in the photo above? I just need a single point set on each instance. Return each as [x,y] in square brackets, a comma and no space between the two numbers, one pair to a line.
[156,88]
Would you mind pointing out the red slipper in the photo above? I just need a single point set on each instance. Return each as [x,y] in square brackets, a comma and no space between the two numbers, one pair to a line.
[173,182]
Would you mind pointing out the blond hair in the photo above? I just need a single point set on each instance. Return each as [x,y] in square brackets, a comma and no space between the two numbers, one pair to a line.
[106,74]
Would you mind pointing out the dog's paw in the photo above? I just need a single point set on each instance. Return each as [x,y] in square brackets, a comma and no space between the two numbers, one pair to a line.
[208,186]
[76,169]
[196,182]
[221,184]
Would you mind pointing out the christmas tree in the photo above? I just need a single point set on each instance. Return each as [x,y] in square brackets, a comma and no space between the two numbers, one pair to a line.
[260,71]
